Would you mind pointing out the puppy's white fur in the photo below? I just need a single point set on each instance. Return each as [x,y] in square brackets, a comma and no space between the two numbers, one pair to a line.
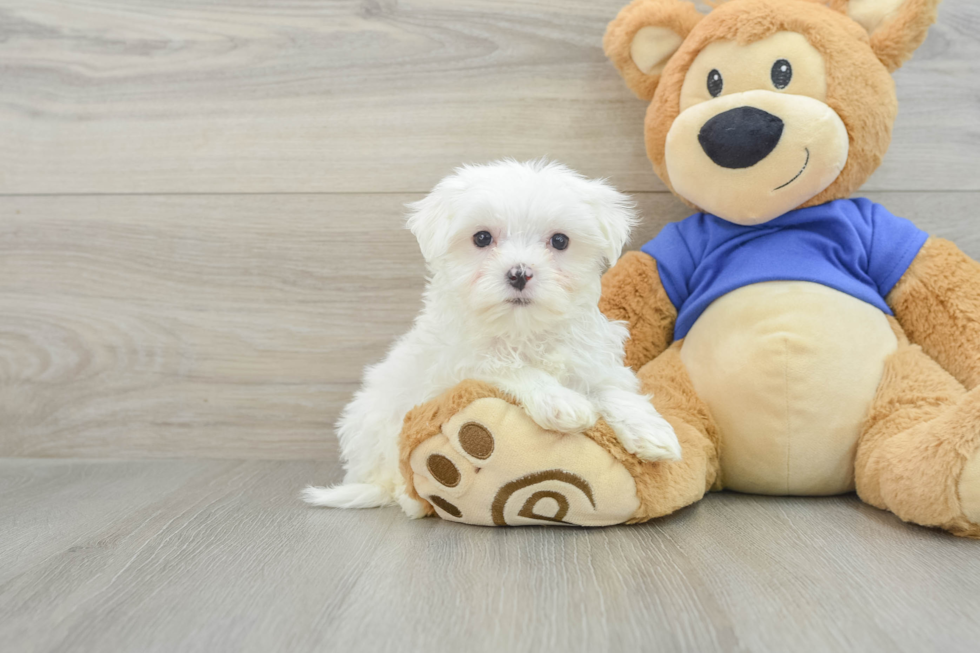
[546,344]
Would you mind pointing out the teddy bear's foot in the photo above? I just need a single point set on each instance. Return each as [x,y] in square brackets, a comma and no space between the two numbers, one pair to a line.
[490,464]
[968,487]
[920,457]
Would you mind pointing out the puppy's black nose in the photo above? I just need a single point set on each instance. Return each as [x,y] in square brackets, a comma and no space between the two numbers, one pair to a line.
[518,276]
[740,138]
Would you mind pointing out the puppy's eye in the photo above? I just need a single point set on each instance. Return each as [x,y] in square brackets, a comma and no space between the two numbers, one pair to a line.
[482,238]
[715,83]
[559,241]
[782,73]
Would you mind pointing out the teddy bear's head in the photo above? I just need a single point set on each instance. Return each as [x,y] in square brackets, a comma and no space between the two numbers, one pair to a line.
[764,106]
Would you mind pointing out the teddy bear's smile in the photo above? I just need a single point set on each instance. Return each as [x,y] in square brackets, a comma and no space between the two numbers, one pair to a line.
[802,170]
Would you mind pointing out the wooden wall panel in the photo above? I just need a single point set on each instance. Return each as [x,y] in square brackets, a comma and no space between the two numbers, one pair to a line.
[229,325]
[202,96]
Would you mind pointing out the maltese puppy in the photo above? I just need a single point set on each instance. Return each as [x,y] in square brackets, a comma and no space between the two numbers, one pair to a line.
[515,252]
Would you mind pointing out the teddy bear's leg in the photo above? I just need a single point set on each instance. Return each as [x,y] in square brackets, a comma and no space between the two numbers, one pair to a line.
[919,453]
[666,487]
[475,456]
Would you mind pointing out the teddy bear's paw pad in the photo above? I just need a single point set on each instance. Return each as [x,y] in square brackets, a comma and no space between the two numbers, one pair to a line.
[969,489]
[492,465]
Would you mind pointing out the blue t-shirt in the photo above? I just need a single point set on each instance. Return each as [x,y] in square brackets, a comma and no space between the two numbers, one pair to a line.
[854,246]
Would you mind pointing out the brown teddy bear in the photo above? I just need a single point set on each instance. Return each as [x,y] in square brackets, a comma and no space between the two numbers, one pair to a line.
[799,342]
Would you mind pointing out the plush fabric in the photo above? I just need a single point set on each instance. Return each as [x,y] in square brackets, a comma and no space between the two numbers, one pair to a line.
[788,370]
[667,487]
[897,28]
[525,475]
[938,305]
[855,246]
[969,489]
[652,46]
[632,292]
[675,15]
[474,456]
[921,431]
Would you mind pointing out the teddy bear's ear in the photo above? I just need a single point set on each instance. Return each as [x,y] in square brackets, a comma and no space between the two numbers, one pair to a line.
[644,36]
[897,27]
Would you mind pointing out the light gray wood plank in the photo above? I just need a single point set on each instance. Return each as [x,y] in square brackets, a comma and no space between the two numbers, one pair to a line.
[179,325]
[56,506]
[220,556]
[227,326]
[374,95]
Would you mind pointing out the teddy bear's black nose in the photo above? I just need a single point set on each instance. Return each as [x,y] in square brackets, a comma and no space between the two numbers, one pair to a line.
[740,138]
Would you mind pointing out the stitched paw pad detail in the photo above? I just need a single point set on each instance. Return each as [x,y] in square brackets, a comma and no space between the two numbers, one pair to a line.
[492,465]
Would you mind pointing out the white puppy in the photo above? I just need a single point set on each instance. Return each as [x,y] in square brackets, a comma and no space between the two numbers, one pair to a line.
[515,253]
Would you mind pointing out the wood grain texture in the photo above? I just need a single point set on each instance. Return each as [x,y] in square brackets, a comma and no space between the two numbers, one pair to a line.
[226,326]
[182,324]
[125,96]
[220,556]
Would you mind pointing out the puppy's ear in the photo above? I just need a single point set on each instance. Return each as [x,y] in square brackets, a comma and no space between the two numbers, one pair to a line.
[644,36]
[616,214]
[430,219]
[897,27]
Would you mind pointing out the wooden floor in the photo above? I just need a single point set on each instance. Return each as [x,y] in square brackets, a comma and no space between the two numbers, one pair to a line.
[207,555]
[201,246]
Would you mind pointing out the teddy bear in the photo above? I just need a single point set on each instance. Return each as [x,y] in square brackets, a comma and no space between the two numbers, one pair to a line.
[799,341]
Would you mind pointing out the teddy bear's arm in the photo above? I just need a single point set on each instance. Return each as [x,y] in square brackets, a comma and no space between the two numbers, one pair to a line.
[632,292]
[937,302]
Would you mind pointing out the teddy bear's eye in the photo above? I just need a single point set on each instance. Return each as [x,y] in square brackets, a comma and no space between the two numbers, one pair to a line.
[782,73]
[715,83]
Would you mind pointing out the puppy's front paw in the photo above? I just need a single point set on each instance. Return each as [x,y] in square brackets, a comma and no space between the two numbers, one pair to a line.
[653,444]
[645,434]
[562,410]
[412,508]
